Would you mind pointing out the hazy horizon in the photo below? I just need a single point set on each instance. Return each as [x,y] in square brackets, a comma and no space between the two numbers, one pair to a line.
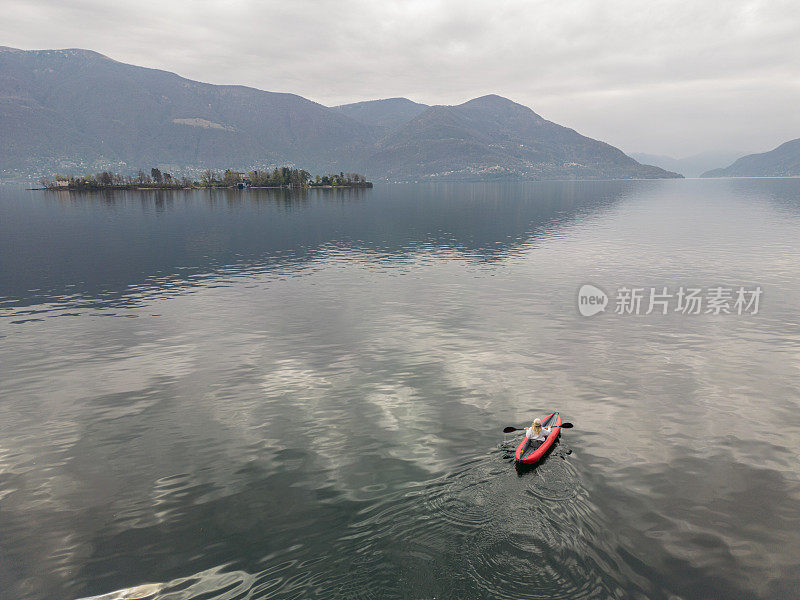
[664,79]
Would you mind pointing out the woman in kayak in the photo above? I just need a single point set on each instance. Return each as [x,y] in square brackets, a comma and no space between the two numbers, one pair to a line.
[535,433]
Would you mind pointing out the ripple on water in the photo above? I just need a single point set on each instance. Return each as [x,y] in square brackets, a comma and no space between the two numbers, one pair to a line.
[479,531]
[364,577]
[529,566]
[556,480]
[461,501]
[524,544]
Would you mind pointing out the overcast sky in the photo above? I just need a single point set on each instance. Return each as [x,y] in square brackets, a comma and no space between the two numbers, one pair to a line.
[657,76]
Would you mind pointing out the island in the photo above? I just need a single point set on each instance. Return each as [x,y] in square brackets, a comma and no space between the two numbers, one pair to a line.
[278,178]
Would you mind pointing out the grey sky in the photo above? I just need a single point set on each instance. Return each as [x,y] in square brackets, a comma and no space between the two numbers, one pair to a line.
[657,76]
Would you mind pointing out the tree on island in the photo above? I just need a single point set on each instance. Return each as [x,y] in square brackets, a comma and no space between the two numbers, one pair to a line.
[231,178]
[209,177]
[282,177]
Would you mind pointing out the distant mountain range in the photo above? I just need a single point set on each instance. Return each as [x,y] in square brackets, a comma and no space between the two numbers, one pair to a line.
[690,166]
[783,161]
[73,111]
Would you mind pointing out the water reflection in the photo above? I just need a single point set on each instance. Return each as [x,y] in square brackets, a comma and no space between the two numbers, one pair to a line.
[108,246]
[260,395]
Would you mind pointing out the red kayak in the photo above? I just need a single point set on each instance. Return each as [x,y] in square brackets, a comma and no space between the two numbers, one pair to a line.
[532,452]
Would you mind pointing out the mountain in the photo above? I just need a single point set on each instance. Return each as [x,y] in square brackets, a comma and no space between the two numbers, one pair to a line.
[783,161]
[59,107]
[491,137]
[389,114]
[76,111]
[690,166]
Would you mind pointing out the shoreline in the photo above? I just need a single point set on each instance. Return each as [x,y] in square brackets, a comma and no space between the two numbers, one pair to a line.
[136,188]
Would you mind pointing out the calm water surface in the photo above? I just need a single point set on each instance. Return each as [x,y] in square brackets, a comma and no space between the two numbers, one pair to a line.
[218,395]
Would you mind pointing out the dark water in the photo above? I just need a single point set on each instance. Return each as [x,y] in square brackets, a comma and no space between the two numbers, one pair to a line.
[262,395]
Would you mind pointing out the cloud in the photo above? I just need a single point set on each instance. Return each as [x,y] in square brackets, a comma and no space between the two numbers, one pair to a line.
[662,76]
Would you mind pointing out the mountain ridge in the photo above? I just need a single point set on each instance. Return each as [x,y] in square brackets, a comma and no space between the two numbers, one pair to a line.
[121,113]
[492,136]
[77,110]
[782,161]
[387,112]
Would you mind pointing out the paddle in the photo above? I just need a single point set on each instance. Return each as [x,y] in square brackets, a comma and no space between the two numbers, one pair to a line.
[563,426]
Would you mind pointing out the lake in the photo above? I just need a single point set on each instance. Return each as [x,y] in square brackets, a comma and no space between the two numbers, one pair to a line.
[265,394]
